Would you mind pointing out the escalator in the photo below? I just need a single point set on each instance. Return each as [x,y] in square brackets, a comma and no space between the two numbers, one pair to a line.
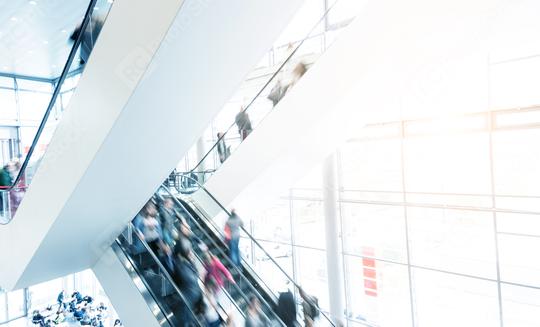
[272,86]
[158,281]
[155,279]
[250,281]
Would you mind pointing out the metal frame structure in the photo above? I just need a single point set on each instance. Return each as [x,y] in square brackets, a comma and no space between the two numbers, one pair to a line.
[491,126]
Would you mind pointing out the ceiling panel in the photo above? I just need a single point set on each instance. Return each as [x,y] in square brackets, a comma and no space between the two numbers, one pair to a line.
[34,34]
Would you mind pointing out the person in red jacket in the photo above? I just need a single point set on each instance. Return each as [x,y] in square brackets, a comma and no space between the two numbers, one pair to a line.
[216,273]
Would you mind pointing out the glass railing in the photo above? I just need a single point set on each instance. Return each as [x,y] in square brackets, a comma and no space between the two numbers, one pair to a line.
[158,282]
[273,277]
[12,190]
[276,82]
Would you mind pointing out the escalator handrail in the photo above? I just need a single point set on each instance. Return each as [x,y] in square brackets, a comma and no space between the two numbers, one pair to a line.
[222,252]
[118,244]
[165,271]
[253,240]
[274,75]
[222,287]
[52,102]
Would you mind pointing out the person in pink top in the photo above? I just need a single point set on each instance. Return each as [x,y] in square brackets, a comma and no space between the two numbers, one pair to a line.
[216,273]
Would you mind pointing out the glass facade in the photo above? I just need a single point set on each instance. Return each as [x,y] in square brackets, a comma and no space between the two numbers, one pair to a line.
[436,225]
[21,303]
[23,104]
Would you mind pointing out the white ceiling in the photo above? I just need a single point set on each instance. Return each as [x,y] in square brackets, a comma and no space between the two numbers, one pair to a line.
[34,34]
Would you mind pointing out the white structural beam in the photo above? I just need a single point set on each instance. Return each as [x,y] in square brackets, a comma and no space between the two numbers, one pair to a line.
[115,67]
[85,192]
[129,301]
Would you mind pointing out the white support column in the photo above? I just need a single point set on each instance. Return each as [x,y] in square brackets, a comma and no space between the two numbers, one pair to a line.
[333,245]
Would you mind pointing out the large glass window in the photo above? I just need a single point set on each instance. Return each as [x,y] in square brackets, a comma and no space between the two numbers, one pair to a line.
[8,105]
[374,230]
[378,292]
[372,166]
[33,105]
[516,162]
[45,294]
[452,240]
[16,304]
[520,306]
[312,275]
[448,164]
[518,261]
[270,273]
[446,300]
[309,223]
[274,224]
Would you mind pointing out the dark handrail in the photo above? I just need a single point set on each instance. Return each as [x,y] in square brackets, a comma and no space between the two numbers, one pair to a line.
[280,68]
[253,240]
[124,252]
[165,271]
[223,253]
[61,79]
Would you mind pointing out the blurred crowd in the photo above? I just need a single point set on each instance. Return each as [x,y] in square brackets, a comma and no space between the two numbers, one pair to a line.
[75,309]
[168,234]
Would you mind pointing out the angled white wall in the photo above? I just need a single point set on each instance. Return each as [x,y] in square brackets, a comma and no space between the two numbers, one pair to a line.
[204,57]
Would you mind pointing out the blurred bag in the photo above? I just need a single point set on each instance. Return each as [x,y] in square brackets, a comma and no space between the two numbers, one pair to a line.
[228,234]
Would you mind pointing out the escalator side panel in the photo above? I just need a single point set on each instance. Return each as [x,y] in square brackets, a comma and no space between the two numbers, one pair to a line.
[127,293]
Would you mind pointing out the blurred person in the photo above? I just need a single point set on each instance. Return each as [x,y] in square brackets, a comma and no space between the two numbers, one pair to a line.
[81,314]
[38,318]
[184,240]
[76,297]
[216,273]
[243,123]
[233,225]
[17,193]
[149,228]
[230,322]
[5,183]
[60,299]
[167,219]
[102,307]
[277,93]
[298,72]
[286,308]
[254,315]
[222,148]
[117,323]
[310,307]
[87,299]
[186,277]
[89,37]
[211,312]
